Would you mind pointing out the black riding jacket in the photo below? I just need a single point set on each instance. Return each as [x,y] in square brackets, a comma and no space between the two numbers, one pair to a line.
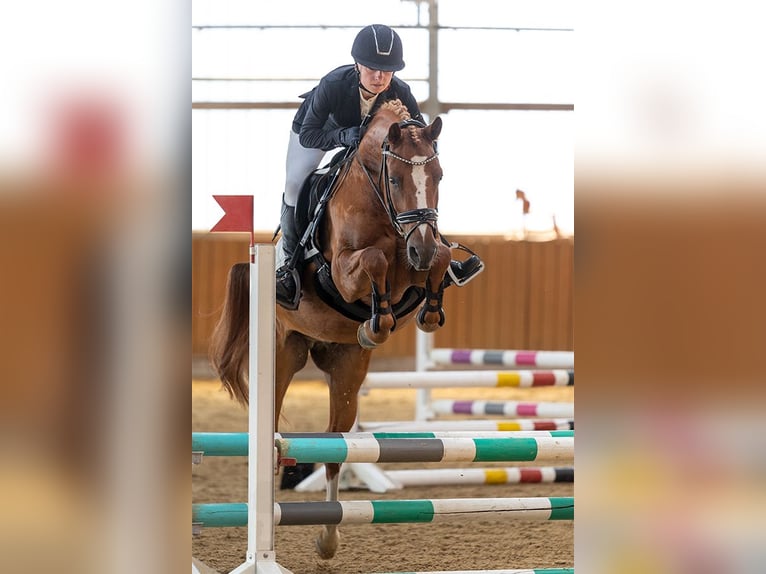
[333,106]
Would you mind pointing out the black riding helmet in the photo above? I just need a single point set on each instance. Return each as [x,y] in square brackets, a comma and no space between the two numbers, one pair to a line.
[378,47]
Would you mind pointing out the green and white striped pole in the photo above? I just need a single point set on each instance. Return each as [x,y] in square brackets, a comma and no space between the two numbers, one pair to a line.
[390,511]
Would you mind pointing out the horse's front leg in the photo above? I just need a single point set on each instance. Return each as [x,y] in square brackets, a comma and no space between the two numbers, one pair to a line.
[355,274]
[329,537]
[431,314]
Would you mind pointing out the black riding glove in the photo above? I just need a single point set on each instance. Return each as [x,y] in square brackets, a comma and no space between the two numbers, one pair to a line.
[349,137]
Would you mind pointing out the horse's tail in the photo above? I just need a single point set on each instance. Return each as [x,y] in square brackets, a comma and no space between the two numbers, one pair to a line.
[229,343]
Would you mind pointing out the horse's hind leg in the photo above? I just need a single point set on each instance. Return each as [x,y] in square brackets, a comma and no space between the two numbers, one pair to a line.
[346,367]
[292,352]
[291,356]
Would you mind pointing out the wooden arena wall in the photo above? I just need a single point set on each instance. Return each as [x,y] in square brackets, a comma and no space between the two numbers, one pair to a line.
[523,300]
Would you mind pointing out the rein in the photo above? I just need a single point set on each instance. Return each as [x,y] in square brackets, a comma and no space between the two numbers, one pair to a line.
[424,216]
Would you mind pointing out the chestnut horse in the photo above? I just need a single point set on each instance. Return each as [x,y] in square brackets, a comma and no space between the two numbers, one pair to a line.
[383,251]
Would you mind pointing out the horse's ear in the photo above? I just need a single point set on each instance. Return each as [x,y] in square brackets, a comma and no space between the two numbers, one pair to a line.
[394,134]
[434,129]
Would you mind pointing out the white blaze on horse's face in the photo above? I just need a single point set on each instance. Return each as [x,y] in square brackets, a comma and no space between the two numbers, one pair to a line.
[419,184]
[420,178]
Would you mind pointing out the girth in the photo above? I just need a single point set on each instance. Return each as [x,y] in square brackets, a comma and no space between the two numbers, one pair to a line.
[358,310]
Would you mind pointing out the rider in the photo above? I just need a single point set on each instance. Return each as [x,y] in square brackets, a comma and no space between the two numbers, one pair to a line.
[329,117]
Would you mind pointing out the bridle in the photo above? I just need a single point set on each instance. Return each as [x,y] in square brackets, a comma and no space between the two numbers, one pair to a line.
[423,216]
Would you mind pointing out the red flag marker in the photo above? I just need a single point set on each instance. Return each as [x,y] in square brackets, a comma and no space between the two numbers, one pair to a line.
[238,213]
[523,197]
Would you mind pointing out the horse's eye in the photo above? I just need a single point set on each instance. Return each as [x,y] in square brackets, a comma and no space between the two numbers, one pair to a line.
[394,181]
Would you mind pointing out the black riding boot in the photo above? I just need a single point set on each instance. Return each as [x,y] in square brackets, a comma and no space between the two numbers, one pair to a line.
[461,272]
[288,275]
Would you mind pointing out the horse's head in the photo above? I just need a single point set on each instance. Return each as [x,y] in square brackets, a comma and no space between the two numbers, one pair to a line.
[411,174]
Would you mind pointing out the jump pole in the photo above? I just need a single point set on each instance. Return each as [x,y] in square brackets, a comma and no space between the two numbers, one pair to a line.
[462,379]
[260,557]
[340,450]
[485,476]
[516,359]
[427,358]
[236,443]
[399,479]
[230,514]
[511,409]
[523,571]
[469,425]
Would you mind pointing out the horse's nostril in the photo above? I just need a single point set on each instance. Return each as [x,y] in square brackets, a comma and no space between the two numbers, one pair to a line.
[413,253]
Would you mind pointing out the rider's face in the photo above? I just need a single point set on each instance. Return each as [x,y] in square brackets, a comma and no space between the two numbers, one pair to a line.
[374,80]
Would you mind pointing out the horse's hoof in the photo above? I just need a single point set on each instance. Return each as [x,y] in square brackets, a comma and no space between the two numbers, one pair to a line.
[364,340]
[428,327]
[325,552]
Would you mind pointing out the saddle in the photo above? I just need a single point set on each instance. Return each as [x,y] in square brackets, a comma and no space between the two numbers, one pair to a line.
[309,212]
[317,184]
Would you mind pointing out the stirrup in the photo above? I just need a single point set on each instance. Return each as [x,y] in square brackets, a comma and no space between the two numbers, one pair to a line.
[468,270]
[287,300]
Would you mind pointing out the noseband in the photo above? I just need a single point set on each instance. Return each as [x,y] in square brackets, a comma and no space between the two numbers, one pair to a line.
[424,216]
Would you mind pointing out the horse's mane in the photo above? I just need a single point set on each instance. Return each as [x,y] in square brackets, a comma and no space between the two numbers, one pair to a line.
[398,108]
[401,111]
